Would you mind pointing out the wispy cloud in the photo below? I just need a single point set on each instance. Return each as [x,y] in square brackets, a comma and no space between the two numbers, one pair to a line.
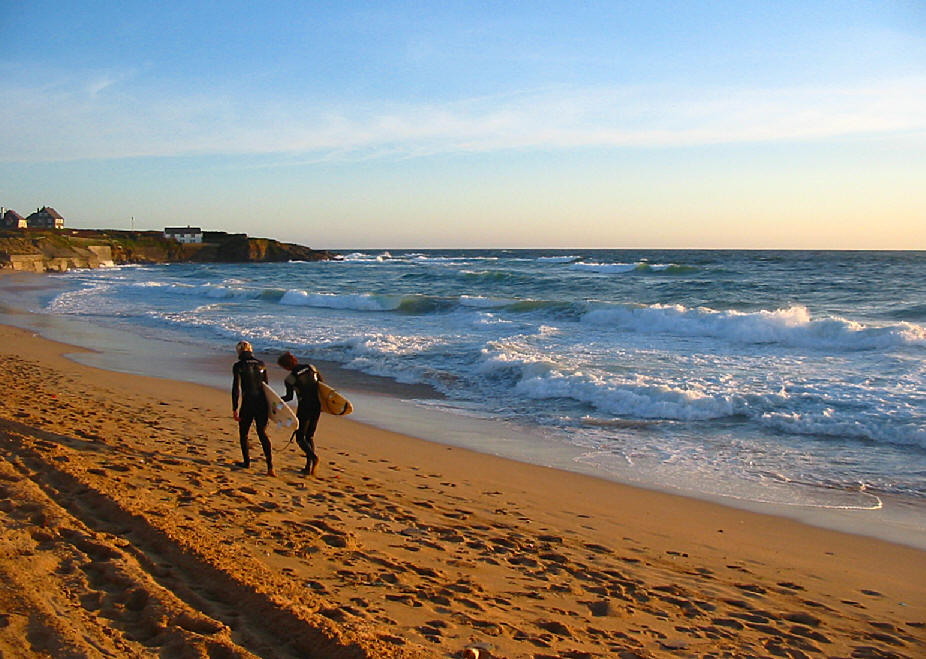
[110,116]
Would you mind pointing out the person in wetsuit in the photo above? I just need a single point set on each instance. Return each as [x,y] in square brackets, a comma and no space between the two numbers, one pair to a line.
[303,379]
[248,376]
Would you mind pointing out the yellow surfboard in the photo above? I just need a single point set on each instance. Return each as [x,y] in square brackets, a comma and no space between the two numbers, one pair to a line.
[333,402]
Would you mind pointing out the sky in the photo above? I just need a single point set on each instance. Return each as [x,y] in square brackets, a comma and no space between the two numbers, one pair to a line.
[745,125]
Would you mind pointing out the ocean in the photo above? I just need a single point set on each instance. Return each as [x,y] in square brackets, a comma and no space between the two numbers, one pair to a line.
[795,378]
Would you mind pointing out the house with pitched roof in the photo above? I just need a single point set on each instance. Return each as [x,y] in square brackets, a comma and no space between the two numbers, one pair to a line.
[45,218]
[10,219]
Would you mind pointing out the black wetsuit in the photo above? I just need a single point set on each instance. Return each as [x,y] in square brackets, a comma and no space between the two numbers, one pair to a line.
[303,379]
[249,374]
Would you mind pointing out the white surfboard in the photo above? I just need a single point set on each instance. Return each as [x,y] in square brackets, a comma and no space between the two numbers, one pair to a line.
[280,413]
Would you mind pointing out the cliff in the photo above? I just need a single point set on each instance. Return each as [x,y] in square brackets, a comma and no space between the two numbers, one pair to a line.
[42,251]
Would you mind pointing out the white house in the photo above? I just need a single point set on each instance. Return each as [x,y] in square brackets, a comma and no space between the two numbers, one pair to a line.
[186,234]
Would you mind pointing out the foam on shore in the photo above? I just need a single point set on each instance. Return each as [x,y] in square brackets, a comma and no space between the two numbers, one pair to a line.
[419,411]
[127,530]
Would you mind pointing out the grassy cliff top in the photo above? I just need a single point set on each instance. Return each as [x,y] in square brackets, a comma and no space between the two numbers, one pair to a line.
[153,247]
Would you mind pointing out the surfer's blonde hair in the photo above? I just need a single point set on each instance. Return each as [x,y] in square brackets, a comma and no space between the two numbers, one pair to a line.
[243,346]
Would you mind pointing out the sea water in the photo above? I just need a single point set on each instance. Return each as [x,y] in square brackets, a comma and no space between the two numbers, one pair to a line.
[795,378]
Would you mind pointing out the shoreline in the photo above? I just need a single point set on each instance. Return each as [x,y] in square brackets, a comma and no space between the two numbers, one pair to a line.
[415,410]
[402,547]
[390,405]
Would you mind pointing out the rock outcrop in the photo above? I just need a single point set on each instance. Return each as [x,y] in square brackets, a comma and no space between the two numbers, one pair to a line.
[56,251]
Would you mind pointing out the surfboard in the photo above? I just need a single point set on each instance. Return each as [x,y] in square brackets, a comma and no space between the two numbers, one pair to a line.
[279,412]
[333,402]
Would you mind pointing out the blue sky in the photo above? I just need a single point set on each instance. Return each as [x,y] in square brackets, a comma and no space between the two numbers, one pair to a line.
[530,124]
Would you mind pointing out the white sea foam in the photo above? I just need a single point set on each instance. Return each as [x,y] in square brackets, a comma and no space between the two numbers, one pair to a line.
[215,291]
[531,373]
[155,284]
[363,257]
[622,268]
[488,274]
[226,292]
[638,400]
[357,302]
[451,260]
[830,425]
[392,344]
[92,300]
[792,327]
[790,391]
[604,268]
[558,259]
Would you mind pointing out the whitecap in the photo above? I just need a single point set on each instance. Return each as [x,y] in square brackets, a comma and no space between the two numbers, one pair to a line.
[793,326]
[604,268]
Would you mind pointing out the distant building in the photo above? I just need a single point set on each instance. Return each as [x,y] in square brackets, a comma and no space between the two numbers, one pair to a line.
[10,219]
[184,234]
[45,218]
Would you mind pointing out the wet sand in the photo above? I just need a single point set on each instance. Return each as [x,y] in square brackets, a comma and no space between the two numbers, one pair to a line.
[128,532]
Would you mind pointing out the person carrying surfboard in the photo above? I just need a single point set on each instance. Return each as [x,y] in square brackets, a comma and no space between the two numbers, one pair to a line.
[303,379]
[248,376]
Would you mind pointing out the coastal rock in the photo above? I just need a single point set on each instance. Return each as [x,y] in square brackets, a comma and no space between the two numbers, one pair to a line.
[58,251]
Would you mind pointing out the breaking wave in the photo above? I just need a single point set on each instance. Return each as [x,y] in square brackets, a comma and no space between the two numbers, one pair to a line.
[793,327]
[800,354]
[640,267]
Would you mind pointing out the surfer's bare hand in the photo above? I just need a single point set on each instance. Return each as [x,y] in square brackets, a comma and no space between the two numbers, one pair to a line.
[235,415]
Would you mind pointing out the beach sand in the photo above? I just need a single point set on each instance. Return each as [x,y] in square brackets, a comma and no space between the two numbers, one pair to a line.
[127,532]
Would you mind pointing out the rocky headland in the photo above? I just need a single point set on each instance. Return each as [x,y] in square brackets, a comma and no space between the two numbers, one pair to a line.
[57,251]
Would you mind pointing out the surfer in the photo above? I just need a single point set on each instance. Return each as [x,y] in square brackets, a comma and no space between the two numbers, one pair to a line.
[303,379]
[249,374]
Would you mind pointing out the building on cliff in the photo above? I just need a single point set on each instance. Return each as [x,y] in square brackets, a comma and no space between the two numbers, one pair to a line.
[45,218]
[10,219]
[185,234]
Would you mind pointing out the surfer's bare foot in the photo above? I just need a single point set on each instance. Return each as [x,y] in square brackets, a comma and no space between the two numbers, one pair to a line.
[271,472]
[242,465]
[314,467]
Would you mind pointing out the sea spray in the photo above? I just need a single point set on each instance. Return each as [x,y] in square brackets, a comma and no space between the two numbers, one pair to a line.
[688,368]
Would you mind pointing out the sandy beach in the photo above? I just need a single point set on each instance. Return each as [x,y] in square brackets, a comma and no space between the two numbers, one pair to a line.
[127,532]
[628,299]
